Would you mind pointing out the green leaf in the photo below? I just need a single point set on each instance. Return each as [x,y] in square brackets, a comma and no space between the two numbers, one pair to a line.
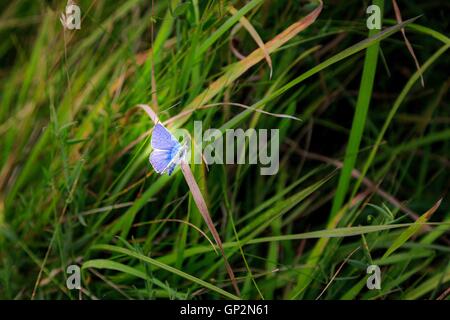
[166,267]
[113,265]
[412,230]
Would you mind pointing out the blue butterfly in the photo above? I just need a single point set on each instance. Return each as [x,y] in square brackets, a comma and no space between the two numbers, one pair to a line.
[167,151]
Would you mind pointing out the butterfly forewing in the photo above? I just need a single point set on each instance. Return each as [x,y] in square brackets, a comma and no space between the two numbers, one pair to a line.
[162,139]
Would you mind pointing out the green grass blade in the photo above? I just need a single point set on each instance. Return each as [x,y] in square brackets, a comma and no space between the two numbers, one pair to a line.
[168,268]
[359,118]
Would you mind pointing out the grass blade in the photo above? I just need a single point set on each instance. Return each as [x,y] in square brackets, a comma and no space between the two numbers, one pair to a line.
[164,266]
[201,205]
[359,119]
[412,230]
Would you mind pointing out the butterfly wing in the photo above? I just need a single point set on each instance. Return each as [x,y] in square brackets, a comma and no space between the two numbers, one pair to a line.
[162,139]
[171,168]
[178,153]
[160,159]
[167,150]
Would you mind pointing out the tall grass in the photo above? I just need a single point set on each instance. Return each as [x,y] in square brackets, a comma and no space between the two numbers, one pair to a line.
[359,119]
[363,175]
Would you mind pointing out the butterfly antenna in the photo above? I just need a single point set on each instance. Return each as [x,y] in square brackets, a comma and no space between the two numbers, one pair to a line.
[172,106]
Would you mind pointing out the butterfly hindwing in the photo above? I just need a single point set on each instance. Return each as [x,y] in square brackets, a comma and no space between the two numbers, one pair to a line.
[171,168]
[162,139]
[160,159]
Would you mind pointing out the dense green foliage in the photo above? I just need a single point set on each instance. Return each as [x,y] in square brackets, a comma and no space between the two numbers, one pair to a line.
[76,186]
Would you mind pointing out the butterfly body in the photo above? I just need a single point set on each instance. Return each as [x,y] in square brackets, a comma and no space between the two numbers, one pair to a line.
[167,151]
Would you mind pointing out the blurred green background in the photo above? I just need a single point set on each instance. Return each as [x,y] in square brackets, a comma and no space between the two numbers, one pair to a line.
[76,186]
